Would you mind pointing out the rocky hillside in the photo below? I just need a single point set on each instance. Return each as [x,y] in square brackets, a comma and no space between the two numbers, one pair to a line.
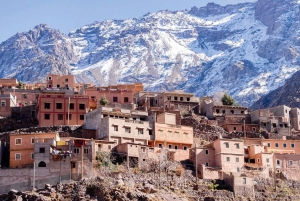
[288,94]
[246,49]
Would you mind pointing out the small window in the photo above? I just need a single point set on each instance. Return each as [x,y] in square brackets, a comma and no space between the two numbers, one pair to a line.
[227,144]
[93,97]
[237,159]
[185,148]
[58,86]
[181,98]
[265,124]
[3,103]
[242,112]
[115,128]
[67,80]
[206,151]
[18,156]
[293,145]
[276,144]
[160,145]
[176,147]
[217,111]
[188,99]
[150,132]
[76,150]
[234,128]
[170,146]
[127,129]
[140,131]
[244,181]
[71,106]
[73,165]
[228,159]
[237,146]
[115,99]
[85,151]
[238,169]
[169,97]
[284,145]
[278,162]
[267,160]
[291,163]
[67,86]
[58,105]
[253,129]
[258,160]
[206,164]
[24,96]
[126,100]
[269,144]
[81,117]
[49,78]
[175,98]
[274,125]
[232,111]
[42,150]
[70,116]
[82,106]
[46,116]
[60,116]
[32,140]
[32,156]
[18,141]
[47,105]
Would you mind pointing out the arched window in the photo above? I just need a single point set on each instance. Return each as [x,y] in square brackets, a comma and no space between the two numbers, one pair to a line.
[42,164]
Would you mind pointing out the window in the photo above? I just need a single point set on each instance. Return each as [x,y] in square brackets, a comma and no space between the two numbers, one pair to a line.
[32,156]
[85,150]
[234,128]
[274,125]
[185,148]
[291,162]
[253,129]
[237,146]
[238,169]
[24,95]
[278,162]
[181,98]
[244,181]
[46,116]
[115,128]
[258,160]
[140,131]
[81,117]
[150,132]
[267,160]
[269,144]
[206,151]
[3,103]
[47,105]
[228,159]
[126,100]
[82,106]
[71,106]
[67,80]
[70,116]
[264,124]
[284,145]
[60,116]
[73,165]
[232,111]
[280,125]
[57,86]
[32,140]
[242,112]
[160,145]
[18,156]
[93,97]
[42,164]
[276,144]
[170,146]
[76,150]
[49,86]
[18,141]
[176,147]
[293,145]
[188,99]
[115,99]
[58,105]
[67,86]
[127,129]
[169,97]
[175,98]
[217,111]
[206,164]
[237,159]
[227,144]
[42,150]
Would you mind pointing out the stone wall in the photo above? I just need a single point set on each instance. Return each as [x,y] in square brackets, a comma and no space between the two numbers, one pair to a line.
[9,124]
[209,173]
[24,112]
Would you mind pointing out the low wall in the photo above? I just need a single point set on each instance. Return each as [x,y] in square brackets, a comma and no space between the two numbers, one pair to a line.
[22,179]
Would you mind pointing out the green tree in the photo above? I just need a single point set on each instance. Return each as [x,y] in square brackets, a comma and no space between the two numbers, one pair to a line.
[227,100]
[103,101]
[21,85]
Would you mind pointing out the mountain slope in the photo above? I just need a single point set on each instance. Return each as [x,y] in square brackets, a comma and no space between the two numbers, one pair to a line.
[246,49]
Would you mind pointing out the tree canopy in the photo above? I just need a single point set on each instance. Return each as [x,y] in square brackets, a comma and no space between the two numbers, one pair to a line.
[227,100]
[103,101]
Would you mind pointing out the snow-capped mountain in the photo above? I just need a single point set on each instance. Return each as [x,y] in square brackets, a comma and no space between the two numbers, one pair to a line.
[245,49]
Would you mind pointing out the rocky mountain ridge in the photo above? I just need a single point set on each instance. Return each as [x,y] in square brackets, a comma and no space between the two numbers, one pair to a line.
[245,49]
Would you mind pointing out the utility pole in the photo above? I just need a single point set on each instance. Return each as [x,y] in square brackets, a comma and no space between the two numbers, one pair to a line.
[69,113]
[33,185]
[244,131]
[81,161]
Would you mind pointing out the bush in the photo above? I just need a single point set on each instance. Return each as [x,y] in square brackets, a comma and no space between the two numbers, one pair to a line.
[227,100]
[103,101]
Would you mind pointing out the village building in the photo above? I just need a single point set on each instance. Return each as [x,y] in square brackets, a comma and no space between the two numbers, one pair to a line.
[7,101]
[9,82]
[22,148]
[62,109]
[24,96]
[240,184]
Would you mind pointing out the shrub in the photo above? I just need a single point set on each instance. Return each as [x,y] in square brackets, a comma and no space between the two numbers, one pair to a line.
[227,100]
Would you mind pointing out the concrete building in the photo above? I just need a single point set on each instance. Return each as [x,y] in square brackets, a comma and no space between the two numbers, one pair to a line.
[7,101]
[60,81]
[288,165]
[22,147]
[24,96]
[62,109]
[8,82]
[240,184]
[176,138]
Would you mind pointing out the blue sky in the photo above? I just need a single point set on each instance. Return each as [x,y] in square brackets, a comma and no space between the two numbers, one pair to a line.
[66,15]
